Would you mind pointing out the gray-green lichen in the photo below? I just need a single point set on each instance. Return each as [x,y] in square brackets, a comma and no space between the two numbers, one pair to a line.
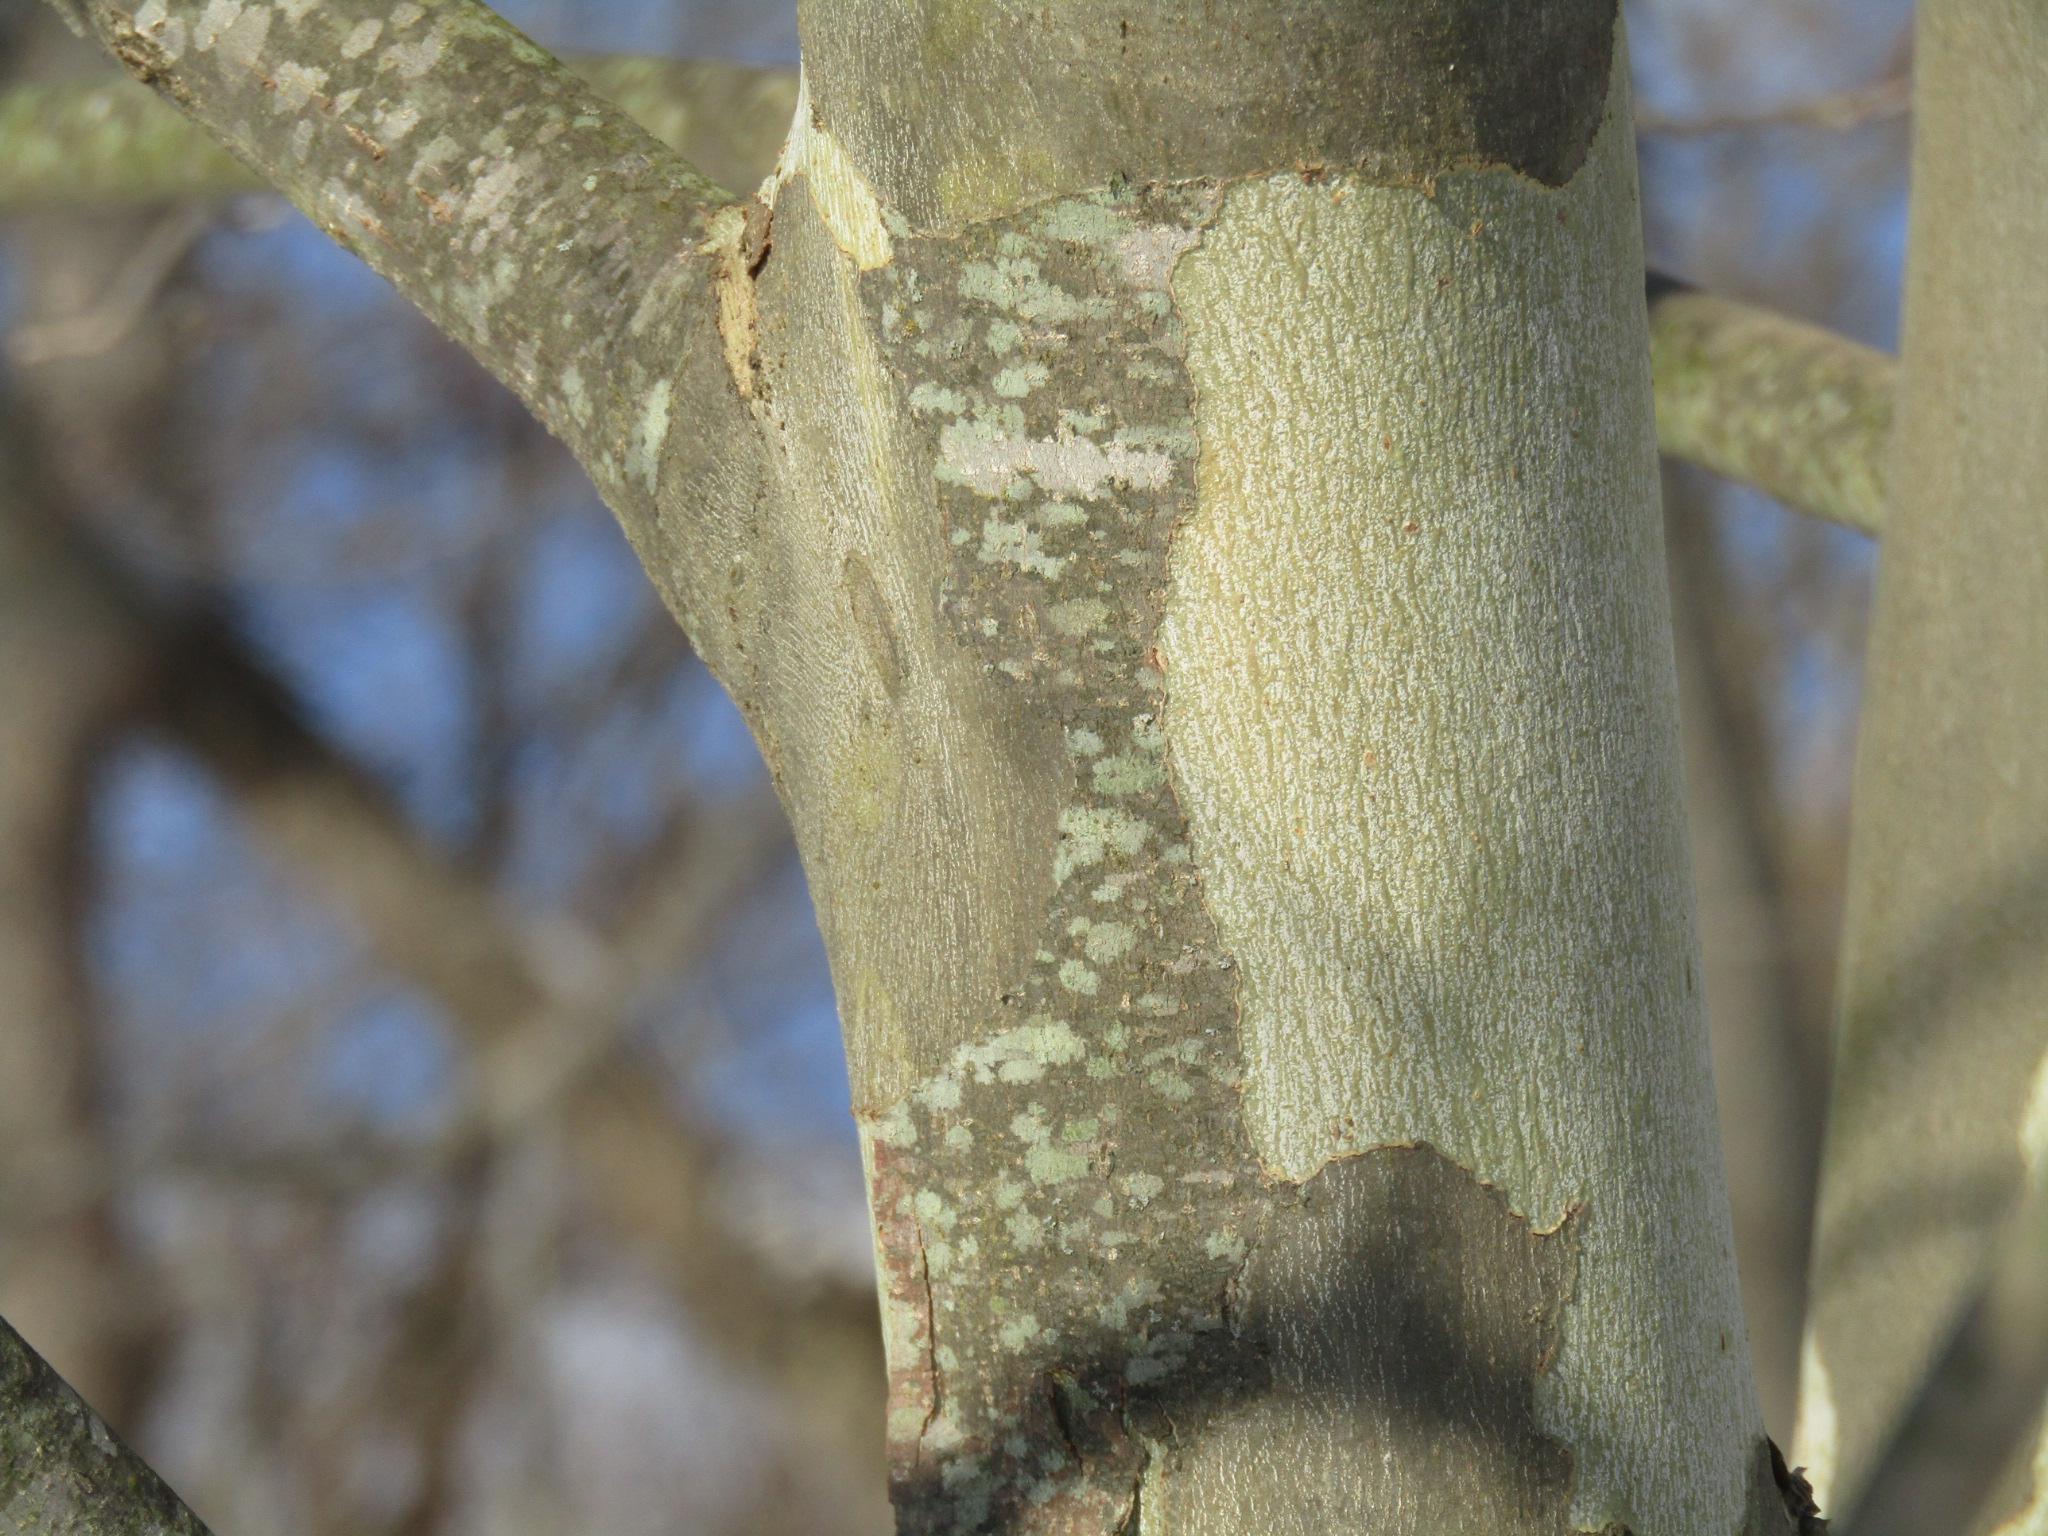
[62,1471]
[1060,471]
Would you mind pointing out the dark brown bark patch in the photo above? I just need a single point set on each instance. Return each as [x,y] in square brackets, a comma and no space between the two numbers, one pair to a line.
[1061,1208]
[963,108]
[1407,1315]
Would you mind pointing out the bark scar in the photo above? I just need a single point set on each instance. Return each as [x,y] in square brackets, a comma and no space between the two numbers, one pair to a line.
[931,1347]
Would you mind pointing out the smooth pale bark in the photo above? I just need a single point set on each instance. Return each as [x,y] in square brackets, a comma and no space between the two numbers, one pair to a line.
[1940,1107]
[1249,846]
[1786,407]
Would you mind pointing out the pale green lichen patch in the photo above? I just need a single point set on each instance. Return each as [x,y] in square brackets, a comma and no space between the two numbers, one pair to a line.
[1078,615]
[1091,834]
[238,31]
[1076,977]
[1060,488]
[1128,773]
[362,37]
[1050,1164]
[1105,942]
[1141,1188]
[926,398]
[650,432]
[1015,383]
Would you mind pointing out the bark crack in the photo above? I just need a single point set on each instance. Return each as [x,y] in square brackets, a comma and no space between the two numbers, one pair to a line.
[933,1375]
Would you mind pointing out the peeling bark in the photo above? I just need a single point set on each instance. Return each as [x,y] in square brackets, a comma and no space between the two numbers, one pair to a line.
[1003,446]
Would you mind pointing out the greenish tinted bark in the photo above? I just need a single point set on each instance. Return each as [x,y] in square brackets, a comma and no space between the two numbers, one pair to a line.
[81,144]
[62,1471]
[1175,495]
[1788,408]
[1939,1114]
[1244,754]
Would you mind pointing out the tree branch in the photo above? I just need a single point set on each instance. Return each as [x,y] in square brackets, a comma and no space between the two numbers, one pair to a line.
[79,144]
[62,1471]
[1877,101]
[530,219]
[1755,396]
[1791,409]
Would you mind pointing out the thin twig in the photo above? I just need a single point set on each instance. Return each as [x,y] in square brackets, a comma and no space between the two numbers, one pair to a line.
[1879,101]
[101,325]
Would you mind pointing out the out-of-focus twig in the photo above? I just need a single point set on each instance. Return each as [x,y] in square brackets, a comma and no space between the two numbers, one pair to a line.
[111,316]
[1879,101]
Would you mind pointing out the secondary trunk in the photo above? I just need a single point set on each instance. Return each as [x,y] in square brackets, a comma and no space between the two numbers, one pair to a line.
[1939,1114]
[1204,608]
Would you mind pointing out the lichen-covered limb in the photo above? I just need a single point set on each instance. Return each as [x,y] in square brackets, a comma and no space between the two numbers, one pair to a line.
[62,1471]
[1789,408]
[1939,1115]
[81,143]
[529,218]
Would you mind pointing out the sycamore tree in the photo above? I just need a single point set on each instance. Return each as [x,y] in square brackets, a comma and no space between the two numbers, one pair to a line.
[1173,489]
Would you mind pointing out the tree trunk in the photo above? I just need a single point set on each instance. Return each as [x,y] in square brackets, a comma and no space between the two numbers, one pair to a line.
[1174,490]
[1204,609]
[1940,1105]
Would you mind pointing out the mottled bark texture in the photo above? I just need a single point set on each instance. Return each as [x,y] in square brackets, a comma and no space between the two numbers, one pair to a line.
[1209,630]
[1940,1106]
[86,143]
[1174,491]
[529,218]
[62,1471]
[1786,407]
